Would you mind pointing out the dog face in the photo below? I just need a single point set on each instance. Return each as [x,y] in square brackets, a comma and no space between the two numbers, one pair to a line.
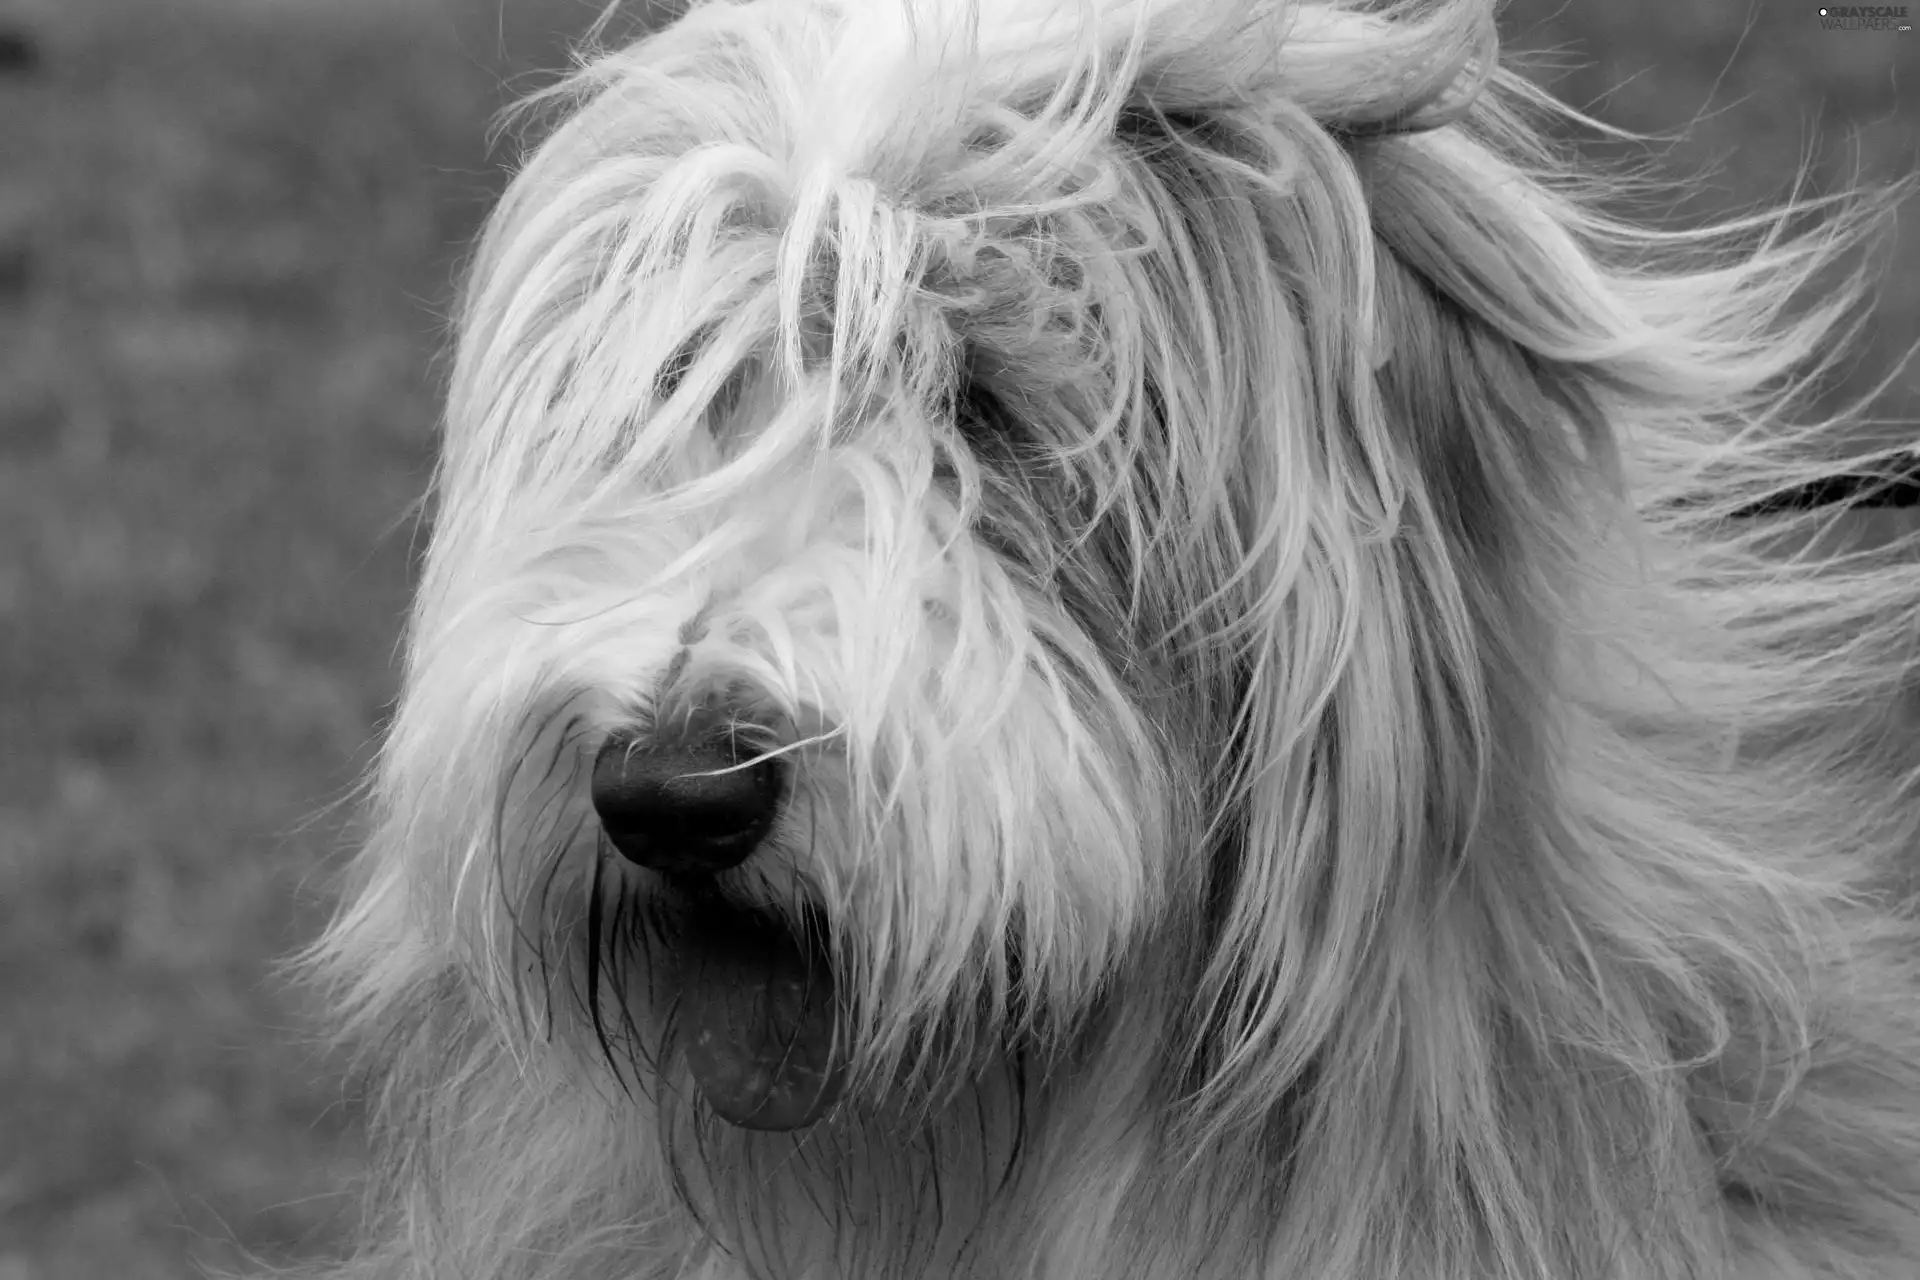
[906,536]
[916,580]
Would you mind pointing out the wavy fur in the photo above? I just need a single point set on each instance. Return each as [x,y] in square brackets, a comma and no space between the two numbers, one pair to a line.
[1300,772]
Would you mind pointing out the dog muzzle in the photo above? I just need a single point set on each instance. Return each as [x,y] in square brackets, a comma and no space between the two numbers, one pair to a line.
[755,999]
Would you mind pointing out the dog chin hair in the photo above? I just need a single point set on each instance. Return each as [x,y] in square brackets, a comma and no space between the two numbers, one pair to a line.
[1115,639]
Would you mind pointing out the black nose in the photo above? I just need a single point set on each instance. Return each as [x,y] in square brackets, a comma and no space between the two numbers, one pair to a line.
[684,808]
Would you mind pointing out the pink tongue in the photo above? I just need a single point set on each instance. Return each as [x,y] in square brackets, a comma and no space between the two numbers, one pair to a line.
[760,1023]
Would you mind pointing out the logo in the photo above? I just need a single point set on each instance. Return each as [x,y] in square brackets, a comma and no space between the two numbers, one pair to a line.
[1865,17]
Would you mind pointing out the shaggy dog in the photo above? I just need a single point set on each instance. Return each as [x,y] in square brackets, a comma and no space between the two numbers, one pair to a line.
[1069,641]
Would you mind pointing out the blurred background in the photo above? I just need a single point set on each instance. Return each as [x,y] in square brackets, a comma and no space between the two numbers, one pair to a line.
[227,236]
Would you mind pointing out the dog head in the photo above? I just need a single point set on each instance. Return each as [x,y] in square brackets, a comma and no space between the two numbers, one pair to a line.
[967,449]
[990,552]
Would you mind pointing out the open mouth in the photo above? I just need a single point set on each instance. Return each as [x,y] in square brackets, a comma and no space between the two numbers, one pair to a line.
[758,1016]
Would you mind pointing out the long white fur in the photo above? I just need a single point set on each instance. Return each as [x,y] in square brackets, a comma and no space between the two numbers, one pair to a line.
[1341,799]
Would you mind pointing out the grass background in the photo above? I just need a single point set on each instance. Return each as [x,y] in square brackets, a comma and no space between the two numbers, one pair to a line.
[227,229]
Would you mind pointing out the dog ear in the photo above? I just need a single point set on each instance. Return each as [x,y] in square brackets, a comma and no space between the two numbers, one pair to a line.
[1432,342]
[1415,475]
[1364,593]
[1407,507]
[1400,663]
